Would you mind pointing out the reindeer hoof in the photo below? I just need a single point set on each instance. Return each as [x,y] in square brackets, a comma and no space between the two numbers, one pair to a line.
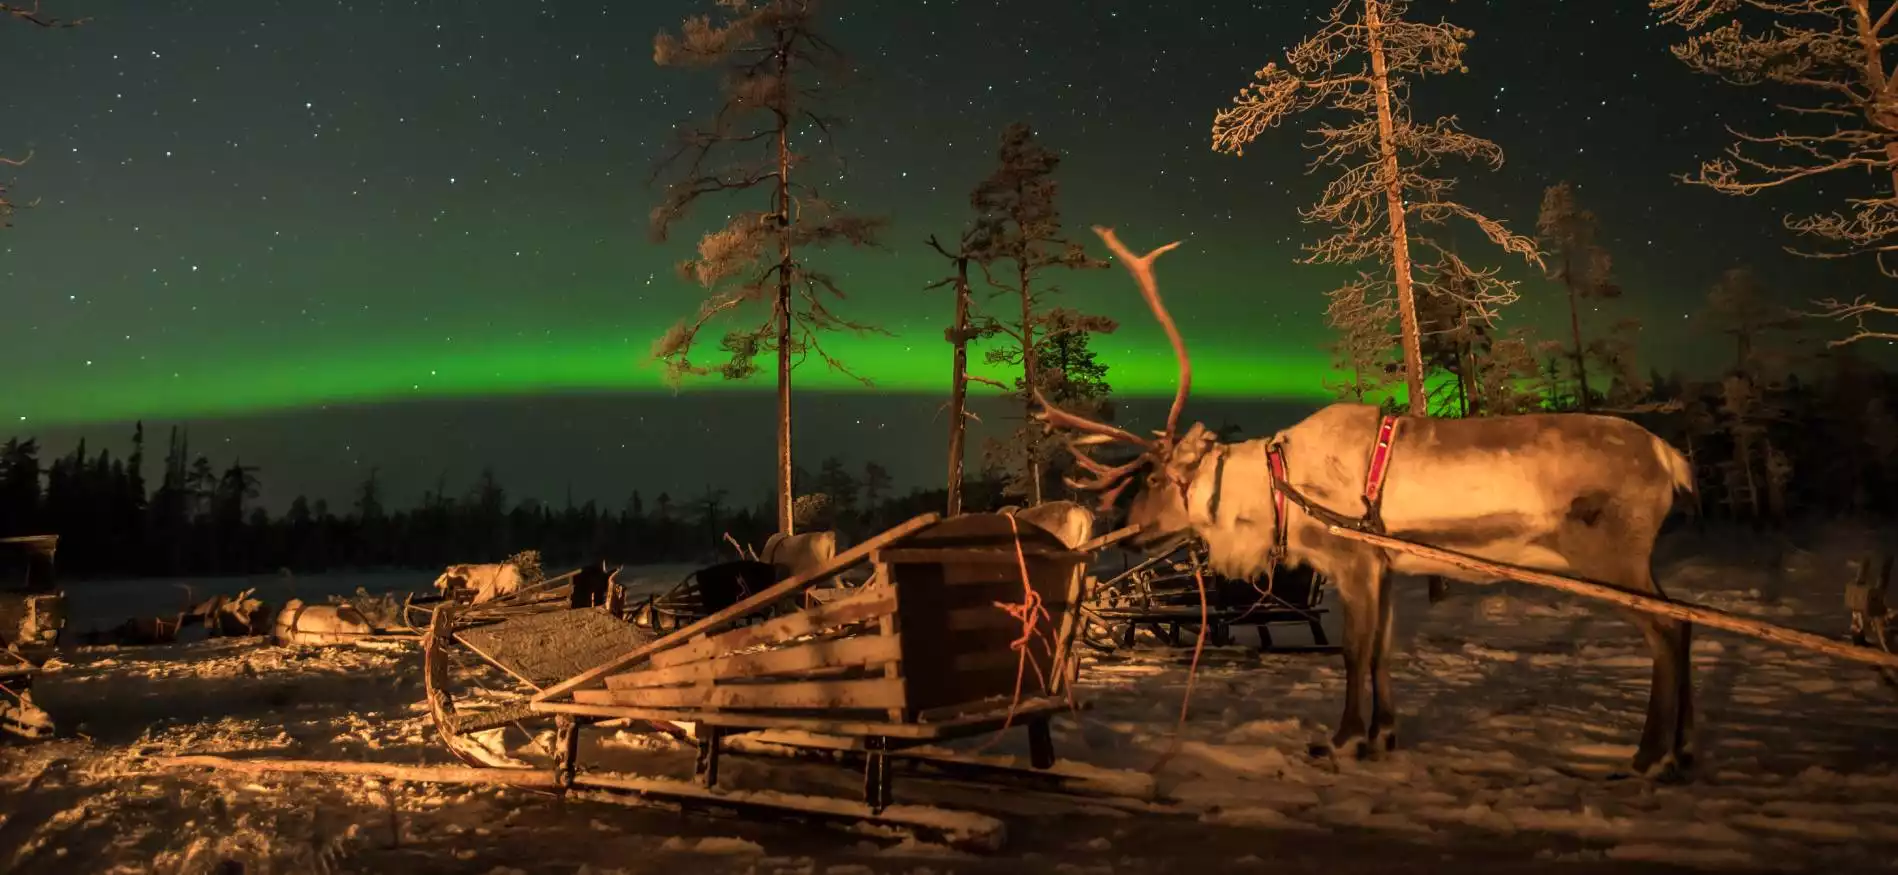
[1384,742]
[1666,770]
[1355,747]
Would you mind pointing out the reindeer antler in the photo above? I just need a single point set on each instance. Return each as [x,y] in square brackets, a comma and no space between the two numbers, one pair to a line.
[1114,479]
[1141,266]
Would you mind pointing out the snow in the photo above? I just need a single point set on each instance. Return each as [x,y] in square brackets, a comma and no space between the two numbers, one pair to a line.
[1517,707]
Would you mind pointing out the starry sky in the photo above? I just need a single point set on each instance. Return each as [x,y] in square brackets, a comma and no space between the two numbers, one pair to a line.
[329,235]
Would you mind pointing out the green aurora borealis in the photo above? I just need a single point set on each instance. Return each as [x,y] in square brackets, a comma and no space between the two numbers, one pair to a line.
[250,214]
[397,372]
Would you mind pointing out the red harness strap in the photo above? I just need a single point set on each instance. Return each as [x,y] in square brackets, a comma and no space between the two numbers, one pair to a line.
[1373,482]
[1380,464]
[1275,458]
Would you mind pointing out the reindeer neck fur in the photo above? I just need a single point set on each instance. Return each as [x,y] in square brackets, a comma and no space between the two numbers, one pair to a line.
[1229,502]
[1326,456]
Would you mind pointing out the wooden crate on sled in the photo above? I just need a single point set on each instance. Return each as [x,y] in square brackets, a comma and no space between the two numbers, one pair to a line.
[927,642]
[925,654]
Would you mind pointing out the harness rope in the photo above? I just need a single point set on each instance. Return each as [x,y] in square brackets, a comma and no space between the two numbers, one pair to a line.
[1029,612]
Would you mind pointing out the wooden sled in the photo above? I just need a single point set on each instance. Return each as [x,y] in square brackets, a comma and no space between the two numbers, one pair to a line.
[1160,597]
[921,656]
[32,617]
[706,592]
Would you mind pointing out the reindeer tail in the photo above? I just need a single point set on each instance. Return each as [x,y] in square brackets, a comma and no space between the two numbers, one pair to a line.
[1675,463]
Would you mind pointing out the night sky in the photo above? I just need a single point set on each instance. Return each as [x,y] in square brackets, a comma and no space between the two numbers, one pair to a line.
[413,234]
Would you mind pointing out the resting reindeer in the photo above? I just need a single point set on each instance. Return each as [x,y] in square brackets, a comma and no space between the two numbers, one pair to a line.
[489,582]
[1070,522]
[1572,493]
[799,553]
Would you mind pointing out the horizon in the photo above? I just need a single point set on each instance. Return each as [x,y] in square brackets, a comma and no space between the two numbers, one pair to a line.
[594,439]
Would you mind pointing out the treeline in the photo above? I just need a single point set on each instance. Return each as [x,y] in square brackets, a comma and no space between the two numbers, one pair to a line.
[202,517]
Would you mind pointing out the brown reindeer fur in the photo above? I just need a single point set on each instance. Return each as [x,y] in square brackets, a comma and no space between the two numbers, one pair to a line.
[1070,522]
[1570,493]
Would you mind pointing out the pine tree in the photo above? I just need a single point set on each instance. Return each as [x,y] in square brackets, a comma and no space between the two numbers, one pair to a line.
[1581,265]
[776,69]
[1362,352]
[1739,306]
[876,488]
[1361,63]
[19,486]
[1072,378]
[1020,235]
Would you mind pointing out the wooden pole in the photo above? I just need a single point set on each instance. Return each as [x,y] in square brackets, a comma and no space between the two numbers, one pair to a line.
[389,771]
[1108,540]
[1648,604]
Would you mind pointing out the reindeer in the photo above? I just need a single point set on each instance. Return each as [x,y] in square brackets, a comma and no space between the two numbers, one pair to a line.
[1571,493]
[488,582]
[1070,522]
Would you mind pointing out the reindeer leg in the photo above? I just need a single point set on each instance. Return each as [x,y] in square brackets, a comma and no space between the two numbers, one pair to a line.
[1383,711]
[1684,734]
[1357,590]
[1655,758]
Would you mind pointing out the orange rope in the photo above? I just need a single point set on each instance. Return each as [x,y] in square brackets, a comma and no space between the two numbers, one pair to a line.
[1192,671]
[1029,613]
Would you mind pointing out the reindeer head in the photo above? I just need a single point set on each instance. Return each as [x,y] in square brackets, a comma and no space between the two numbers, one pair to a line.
[1168,461]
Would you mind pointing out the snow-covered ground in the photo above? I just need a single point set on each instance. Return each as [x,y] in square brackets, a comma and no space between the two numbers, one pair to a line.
[92,605]
[1517,704]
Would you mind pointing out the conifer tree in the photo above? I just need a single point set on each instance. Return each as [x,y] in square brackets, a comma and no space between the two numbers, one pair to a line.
[1023,239]
[776,70]
[1361,64]
[1362,352]
[1581,265]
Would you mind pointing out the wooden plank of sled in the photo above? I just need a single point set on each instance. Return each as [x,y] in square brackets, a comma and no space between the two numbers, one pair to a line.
[1165,613]
[1062,672]
[1108,540]
[817,655]
[838,613]
[843,561]
[970,555]
[1648,604]
[958,725]
[875,693]
[495,662]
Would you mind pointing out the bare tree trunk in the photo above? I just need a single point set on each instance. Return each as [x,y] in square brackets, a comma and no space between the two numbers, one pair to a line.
[1745,447]
[1394,200]
[1693,464]
[784,496]
[1400,235]
[1575,329]
[1029,372]
[1465,366]
[958,385]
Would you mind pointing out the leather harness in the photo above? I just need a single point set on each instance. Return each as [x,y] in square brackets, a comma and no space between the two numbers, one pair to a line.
[1283,492]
